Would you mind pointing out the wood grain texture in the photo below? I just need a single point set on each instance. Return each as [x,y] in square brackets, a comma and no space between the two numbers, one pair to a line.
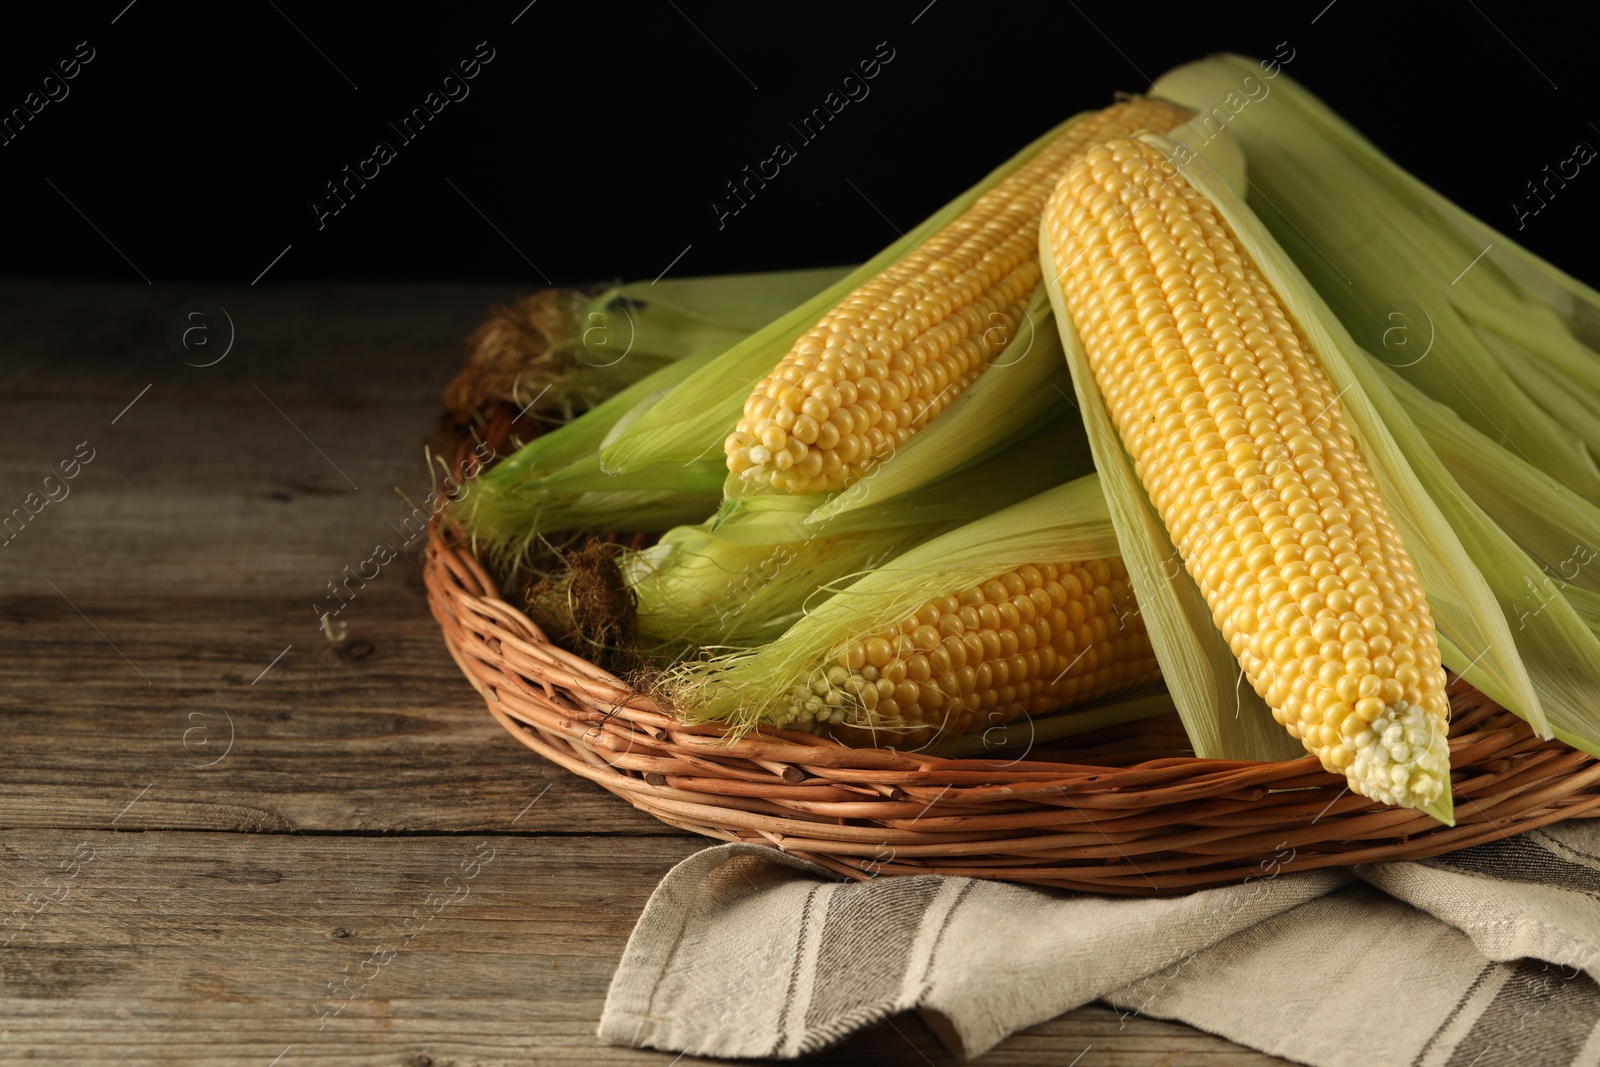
[226,948]
[261,825]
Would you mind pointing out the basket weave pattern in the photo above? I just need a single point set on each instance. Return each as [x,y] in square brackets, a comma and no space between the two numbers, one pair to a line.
[1133,813]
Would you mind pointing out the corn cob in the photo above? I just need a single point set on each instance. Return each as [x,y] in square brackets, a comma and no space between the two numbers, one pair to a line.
[1241,443]
[1027,642]
[898,350]
[1024,611]
[1513,482]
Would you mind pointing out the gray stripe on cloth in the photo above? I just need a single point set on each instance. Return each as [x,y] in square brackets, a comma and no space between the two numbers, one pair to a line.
[1526,858]
[1538,1016]
[943,1027]
[866,958]
[1576,842]
[1449,1034]
[868,938]
[806,979]
[706,969]
[795,974]
[876,949]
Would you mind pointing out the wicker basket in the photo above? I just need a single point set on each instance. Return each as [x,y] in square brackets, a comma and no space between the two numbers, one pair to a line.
[1132,813]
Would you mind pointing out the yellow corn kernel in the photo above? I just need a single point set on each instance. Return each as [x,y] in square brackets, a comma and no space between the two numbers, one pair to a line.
[951,668]
[1242,445]
[896,352]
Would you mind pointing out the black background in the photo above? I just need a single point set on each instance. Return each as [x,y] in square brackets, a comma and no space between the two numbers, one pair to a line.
[593,144]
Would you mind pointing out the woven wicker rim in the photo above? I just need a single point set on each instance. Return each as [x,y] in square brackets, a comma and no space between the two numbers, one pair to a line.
[1127,816]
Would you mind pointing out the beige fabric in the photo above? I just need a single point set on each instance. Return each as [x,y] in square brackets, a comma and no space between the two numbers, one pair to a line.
[1487,956]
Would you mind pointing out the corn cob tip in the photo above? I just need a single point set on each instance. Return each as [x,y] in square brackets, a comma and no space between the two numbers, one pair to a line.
[1401,758]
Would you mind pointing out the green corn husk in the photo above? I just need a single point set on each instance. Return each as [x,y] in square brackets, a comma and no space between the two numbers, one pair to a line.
[1020,739]
[670,318]
[1569,401]
[554,483]
[1558,567]
[571,441]
[706,407]
[747,579]
[559,352]
[738,304]
[752,687]
[1576,305]
[1534,655]
[696,588]
[1378,244]
[675,326]
[1555,527]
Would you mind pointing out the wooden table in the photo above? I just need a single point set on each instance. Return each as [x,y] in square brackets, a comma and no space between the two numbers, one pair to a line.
[216,820]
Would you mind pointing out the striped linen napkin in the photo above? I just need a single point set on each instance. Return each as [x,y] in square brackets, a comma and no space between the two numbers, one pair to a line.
[1487,956]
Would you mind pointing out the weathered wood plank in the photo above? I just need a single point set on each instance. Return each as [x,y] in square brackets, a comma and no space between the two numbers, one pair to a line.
[380,734]
[224,949]
[199,544]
